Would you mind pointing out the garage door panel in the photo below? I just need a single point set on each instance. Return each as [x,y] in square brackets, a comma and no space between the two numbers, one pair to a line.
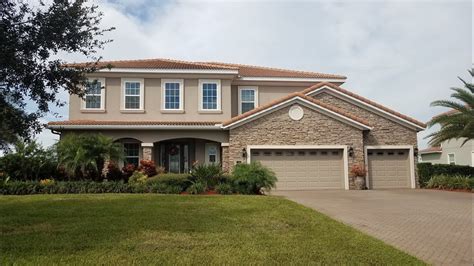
[388,168]
[304,169]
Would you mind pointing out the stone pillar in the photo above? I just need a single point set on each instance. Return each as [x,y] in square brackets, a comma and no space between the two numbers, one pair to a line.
[147,149]
[225,157]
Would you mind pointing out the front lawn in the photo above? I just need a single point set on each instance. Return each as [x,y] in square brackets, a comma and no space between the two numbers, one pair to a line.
[166,229]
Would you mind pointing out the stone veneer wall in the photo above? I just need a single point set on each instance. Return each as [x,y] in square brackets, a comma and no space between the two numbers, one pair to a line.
[278,128]
[384,132]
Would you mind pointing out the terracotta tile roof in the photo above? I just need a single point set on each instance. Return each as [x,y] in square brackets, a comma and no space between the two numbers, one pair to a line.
[132,123]
[365,100]
[450,112]
[290,96]
[436,149]
[259,71]
[244,70]
[157,64]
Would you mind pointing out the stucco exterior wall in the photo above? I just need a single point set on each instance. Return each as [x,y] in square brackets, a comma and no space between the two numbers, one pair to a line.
[278,128]
[152,103]
[462,155]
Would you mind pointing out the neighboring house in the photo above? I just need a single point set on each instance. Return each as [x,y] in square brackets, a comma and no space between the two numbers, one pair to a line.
[302,125]
[449,152]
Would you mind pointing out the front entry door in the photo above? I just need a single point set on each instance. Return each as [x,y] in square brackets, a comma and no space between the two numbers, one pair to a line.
[174,158]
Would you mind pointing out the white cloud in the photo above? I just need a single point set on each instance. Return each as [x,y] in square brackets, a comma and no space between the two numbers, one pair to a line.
[401,54]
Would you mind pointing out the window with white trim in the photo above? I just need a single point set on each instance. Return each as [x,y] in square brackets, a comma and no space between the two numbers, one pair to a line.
[94,95]
[172,94]
[212,153]
[132,153]
[451,158]
[210,93]
[248,97]
[133,94]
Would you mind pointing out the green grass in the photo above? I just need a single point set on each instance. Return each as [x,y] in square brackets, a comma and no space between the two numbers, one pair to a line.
[173,229]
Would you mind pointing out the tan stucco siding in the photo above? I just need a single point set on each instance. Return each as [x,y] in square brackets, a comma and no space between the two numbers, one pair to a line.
[384,132]
[152,103]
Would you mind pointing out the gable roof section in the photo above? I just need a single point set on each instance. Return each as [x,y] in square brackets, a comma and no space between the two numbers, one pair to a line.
[292,98]
[366,102]
[243,71]
[436,149]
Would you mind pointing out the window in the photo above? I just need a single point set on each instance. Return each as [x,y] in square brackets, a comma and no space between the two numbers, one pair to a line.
[172,94]
[210,95]
[133,94]
[212,153]
[132,153]
[94,95]
[451,159]
[248,98]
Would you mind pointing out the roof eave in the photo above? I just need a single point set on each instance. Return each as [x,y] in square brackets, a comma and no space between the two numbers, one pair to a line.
[133,127]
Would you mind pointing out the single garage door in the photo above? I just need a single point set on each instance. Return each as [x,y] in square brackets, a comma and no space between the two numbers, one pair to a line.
[304,169]
[389,168]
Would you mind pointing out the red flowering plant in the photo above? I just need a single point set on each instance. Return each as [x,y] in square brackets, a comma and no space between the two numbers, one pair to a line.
[148,168]
[358,170]
[128,170]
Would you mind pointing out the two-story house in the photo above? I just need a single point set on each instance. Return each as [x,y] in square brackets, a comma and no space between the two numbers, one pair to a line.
[302,125]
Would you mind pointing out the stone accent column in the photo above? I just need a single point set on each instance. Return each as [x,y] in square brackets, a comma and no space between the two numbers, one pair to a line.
[147,149]
[225,157]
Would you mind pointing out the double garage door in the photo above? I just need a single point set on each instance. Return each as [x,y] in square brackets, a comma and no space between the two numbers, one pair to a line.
[304,169]
[311,169]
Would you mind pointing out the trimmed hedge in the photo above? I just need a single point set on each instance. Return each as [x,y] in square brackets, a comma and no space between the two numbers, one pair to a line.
[427,170]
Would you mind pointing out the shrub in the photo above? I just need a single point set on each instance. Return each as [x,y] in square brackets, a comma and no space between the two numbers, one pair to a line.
[46,182]
[169,183]
[114,173]
[137,178]
[224,188]
[128,170]
[147,167]
[197,187]
[29,161]
[450,182]
[252,178]
[358,170]
[428,170]
[209,173]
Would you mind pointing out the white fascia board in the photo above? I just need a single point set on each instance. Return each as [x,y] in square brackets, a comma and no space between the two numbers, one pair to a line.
[291,79]
[131,127]
[178,71]
[366,106]
[306,103]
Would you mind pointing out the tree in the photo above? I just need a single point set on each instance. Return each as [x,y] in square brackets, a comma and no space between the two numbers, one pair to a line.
[84,156]
[30,38]
[459,122]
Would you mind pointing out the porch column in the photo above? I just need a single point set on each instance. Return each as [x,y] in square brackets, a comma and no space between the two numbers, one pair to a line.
[225,157]
[147,149]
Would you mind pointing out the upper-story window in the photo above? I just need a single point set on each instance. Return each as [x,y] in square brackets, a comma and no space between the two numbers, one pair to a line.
[172,94]
[94,98]
[248,98]
[210,95]
[133,90]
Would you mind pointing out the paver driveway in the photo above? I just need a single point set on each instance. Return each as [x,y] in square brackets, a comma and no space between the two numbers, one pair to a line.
[435,226]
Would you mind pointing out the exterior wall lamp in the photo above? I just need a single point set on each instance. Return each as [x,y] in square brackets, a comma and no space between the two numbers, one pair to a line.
[244,153]
[415,151]
[351,152]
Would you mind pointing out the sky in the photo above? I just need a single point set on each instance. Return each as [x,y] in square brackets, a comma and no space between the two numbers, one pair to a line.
[402,54]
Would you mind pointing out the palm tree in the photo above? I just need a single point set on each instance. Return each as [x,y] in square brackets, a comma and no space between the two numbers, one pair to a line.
[459,122]
[84,156]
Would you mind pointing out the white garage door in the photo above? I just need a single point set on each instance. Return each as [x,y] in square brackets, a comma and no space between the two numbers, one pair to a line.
[389,168]
[304,169]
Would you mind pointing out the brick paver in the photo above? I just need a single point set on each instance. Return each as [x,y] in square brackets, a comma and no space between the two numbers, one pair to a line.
[435,226]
